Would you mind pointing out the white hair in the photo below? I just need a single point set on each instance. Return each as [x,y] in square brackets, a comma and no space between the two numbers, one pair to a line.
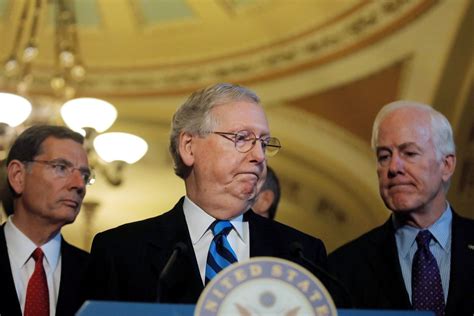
[441,130]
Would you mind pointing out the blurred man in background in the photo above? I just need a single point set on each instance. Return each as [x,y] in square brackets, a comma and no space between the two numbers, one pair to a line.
[266,203]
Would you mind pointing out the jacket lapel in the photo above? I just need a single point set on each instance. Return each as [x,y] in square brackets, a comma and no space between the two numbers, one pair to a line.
[462,264]
[183,283]
[73,265]
[262,240]
[384,263]
[10,304]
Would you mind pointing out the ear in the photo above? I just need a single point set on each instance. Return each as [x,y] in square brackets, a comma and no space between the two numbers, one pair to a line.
[448,167]
[186,148]
[16,172]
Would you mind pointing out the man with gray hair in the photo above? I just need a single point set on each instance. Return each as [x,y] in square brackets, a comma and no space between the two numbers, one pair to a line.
[219,141]
[422,258]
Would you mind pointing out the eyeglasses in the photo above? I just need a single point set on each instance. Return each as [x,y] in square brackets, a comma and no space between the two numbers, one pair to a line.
[64,169]
[244,141]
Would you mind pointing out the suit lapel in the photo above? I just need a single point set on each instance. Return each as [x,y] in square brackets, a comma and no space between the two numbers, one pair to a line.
[262,240]
[384,263]
[10,304]
[462,263]
[183,284]
[71,270]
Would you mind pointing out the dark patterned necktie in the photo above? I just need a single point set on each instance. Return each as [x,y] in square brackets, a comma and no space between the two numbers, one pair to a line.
[37,297]
[427,291]
[220,253]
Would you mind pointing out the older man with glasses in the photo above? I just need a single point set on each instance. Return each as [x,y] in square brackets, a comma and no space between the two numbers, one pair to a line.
[47,174]
[219,142]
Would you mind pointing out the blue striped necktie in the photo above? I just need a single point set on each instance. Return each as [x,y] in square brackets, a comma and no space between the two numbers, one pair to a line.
[220,253]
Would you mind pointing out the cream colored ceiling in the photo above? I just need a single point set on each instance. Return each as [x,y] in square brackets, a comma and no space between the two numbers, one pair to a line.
[323,69]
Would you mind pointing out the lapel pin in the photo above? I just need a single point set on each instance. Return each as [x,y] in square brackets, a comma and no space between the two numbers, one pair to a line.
[471,247]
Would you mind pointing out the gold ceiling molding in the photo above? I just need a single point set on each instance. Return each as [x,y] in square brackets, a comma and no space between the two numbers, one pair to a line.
[323,45]
[357,27]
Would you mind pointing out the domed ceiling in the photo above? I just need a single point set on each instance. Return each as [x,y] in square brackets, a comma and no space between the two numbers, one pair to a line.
[145,48]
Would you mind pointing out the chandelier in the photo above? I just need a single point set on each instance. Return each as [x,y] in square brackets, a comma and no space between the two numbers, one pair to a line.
[20,107]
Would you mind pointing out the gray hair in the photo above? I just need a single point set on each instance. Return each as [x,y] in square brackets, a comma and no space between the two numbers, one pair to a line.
[194,116]
[441,130]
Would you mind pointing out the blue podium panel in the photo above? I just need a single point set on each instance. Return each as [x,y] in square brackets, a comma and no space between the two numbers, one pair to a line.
[105,308]
[375,312]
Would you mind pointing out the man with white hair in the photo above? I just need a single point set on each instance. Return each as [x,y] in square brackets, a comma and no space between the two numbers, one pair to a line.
[422,258]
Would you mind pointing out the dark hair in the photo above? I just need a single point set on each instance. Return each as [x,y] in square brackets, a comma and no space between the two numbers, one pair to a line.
[27,146]
[272,183]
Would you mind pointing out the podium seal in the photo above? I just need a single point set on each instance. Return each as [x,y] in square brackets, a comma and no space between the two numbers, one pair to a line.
[265,286]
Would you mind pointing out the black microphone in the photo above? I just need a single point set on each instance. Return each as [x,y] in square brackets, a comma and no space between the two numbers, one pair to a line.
[179,248]
[296,249]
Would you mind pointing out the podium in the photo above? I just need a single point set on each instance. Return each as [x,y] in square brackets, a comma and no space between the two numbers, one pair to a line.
[258,286]
[106,308]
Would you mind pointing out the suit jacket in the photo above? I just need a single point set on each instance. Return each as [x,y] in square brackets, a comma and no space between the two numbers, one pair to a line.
[369,267]
[126,261]
[73,264]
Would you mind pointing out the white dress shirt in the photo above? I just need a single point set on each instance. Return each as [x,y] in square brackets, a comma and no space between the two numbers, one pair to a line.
[198,222]
[22,263]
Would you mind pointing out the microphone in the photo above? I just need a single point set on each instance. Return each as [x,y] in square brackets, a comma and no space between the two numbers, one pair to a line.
[296,250]
[179,248]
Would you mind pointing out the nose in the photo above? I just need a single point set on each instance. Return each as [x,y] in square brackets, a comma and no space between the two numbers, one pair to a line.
[77,182]
[395,165]
[257,152]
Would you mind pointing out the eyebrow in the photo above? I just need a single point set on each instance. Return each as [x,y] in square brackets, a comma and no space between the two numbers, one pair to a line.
[409,144]
[69,163]
[400,147]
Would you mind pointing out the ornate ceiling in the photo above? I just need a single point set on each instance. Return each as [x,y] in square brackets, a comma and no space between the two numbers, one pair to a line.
[323,68]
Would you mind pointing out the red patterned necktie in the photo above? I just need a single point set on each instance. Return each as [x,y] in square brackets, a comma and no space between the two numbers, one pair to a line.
[427,291]
[37,297]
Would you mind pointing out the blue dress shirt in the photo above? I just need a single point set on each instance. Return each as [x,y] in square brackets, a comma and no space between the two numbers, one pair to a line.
[440,247]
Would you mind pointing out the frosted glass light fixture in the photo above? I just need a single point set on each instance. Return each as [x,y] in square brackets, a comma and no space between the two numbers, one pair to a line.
[120,147]
[14,109]
[93,113]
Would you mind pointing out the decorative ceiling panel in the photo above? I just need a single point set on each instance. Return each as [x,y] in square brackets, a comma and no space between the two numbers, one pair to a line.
[251,41]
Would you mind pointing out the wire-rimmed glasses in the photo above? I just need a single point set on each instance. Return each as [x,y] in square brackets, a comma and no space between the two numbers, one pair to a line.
[63,169]
[244,141]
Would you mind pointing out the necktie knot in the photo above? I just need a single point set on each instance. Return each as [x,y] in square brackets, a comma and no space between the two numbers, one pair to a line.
[38,255]
[423,239]
[219,227]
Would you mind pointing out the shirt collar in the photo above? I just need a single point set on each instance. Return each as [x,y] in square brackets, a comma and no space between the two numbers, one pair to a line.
[198,221]
[441,230]
[24,247]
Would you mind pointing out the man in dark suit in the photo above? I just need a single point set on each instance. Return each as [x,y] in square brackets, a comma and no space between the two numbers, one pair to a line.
[219,143]
[47,173]
[415,161]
